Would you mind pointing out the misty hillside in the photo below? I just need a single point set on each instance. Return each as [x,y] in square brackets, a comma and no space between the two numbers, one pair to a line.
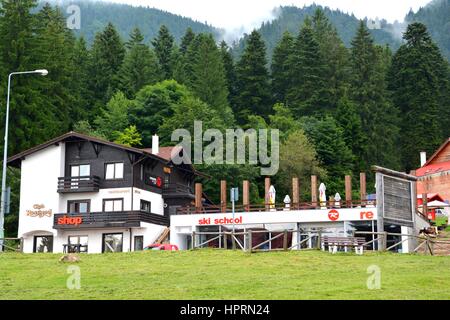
[291,18]
[435,15]
[96,15]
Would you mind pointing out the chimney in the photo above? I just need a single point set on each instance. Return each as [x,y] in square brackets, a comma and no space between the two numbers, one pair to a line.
[423,158]
[155,144]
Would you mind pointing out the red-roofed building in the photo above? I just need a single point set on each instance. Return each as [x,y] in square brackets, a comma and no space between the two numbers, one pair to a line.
[434,175]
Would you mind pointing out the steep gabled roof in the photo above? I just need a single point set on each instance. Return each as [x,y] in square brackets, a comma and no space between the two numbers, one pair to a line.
[75,136]
[442,147]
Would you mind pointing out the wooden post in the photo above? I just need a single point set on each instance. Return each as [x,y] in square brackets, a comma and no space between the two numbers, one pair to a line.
[198,197]
[225,242]
[246,195]
[348,191]
[193,240]
[319,239]
[362,188]
[295,194]
[425,204]
[285,240]
[223,196]
[314,190]
[266,192]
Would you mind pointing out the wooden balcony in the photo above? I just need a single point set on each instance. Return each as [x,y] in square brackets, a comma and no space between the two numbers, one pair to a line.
[177,190]
[94,220]
[78,184]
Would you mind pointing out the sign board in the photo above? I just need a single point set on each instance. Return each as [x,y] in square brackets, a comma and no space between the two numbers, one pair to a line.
[154,181]
[397,194]
[234,194]
[267,217]
[396,199]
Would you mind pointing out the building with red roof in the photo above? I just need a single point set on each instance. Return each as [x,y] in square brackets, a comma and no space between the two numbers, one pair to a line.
[434,174]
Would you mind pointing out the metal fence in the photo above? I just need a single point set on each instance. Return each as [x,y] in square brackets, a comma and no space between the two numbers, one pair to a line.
[244,240]
[11,245]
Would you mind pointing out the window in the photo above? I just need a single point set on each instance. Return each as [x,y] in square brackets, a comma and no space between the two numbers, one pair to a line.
[138,243]
[78,243]
[43,244]
[112,242]
[112,205]
[146,206]
[80,170]
[114,171]
[78,206]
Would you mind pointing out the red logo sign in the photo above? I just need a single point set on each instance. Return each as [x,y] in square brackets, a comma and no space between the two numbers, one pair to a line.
[333,215]
[70,220]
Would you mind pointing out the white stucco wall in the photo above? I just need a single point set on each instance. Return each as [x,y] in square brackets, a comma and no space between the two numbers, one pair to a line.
[38,186]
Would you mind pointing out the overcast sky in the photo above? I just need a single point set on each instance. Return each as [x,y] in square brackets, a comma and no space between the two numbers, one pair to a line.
[248,14]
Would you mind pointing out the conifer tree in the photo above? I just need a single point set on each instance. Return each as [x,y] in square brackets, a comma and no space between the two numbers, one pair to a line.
[136,37]
[164,46]
[379,117]
[187,39]
[281,68]
[416,76]
[140,66]
[230,72]
[208,80]
[253,84]
[55,50]
[29,123]
[335,58]
[80,78]
[107,56]
[307,94]
[349,120]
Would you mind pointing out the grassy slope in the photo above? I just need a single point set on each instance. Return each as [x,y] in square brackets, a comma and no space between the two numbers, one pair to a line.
[218,274]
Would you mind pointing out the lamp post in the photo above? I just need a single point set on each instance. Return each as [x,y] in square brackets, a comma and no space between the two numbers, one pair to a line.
[42,72]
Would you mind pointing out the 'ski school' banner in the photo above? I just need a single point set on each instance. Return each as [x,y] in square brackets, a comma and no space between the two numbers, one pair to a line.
[325,215]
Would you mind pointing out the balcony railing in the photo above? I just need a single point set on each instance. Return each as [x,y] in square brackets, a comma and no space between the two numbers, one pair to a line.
[208,209]
[92,220]
[177,189]
[78,184]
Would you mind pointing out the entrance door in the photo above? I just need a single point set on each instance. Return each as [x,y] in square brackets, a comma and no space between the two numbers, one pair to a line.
[138,243]
[43,244]
[112,242]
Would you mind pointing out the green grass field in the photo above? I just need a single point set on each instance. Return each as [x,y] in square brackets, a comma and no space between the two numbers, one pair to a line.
[219,274]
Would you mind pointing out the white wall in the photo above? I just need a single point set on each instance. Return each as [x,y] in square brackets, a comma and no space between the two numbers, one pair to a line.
[95,237]
[156,200]
[38,186]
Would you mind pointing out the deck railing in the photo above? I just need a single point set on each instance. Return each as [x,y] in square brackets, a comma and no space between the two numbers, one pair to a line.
[78,184]
[106,219]
[209,209]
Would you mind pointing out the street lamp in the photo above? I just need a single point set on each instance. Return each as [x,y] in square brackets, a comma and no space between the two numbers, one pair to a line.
[42,72]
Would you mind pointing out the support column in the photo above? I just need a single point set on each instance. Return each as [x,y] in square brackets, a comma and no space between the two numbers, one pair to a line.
[266,192]
[362,188]
[198,197]
[295,194]
[223,196]
[348,191]
[425,204]
[246,195]
[314,190]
